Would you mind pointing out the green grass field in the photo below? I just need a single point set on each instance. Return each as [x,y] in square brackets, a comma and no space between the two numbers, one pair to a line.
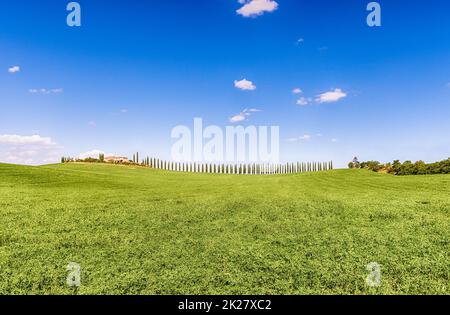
[142,231]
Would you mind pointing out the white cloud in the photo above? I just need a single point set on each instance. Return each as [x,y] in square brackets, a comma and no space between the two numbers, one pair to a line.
[91,154]
[124,111]
[334,140]
[305,137]
[14,69]
[46,91]
[300,41]
[297,91]
[253,8]
[245,85]
[238,118]
[303,101]
[25,140]
[244,115]
[33,149]
[330,97]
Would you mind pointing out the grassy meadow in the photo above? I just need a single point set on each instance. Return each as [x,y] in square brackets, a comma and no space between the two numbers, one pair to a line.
[144,231]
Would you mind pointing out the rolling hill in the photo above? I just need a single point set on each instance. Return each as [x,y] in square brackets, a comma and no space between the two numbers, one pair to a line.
[144,231]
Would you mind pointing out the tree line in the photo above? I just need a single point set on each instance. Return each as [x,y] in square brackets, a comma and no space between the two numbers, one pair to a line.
[233,168]
[405,168]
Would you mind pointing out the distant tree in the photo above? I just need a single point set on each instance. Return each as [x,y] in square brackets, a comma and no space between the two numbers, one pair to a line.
[445,166]
[396,166]
[372,165]
[407,168]
[354,163]
[90,160]
[420,168]
[388,168]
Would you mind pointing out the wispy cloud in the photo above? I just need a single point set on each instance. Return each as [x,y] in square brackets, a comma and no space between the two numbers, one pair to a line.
[331,96]
[46,91]
[253,8]
[303,101]
[305,137]
[244,115]
[297,91]
[14,69]
[244,85]
[92,124]
[299,41]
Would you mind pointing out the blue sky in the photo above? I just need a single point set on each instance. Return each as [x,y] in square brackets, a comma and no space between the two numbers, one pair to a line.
[136,69]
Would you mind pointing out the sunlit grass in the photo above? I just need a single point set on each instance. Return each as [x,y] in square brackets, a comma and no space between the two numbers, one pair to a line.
[142,231]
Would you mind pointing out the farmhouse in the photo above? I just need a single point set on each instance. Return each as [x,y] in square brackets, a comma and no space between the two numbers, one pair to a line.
[116,159]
